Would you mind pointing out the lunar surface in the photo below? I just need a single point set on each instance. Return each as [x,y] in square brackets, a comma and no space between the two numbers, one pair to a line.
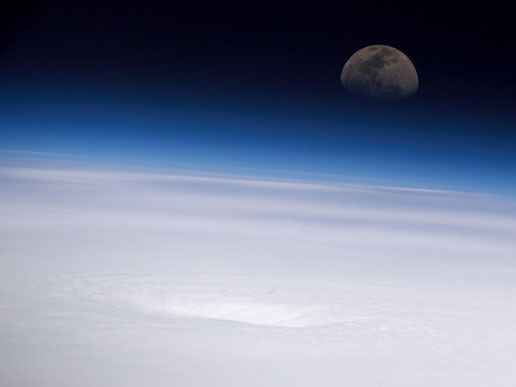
[152,278]
[381,72]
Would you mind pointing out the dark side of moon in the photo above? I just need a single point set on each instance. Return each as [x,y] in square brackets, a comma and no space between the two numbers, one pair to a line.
[380,72]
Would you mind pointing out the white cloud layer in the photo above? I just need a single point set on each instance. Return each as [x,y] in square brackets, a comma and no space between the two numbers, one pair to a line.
[131,278]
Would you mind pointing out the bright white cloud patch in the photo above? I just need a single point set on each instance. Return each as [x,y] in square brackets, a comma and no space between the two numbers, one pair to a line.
[131,278]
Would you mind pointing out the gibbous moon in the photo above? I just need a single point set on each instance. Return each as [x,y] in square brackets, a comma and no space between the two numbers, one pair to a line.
[381,72]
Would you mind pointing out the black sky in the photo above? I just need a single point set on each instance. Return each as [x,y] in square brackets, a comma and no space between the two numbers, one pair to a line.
[469,47]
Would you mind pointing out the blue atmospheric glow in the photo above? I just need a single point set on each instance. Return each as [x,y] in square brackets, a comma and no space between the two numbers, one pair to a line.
[350,144]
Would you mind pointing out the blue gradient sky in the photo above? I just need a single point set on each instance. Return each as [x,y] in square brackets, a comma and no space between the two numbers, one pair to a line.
[403,145]
[257,91]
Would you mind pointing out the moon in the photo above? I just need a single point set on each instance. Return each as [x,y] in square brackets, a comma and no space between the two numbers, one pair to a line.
[380,72]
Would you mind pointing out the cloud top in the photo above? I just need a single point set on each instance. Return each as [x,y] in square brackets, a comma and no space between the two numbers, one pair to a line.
[218,280]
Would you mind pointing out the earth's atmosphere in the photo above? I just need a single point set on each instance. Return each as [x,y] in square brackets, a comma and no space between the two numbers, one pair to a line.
[168,278]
